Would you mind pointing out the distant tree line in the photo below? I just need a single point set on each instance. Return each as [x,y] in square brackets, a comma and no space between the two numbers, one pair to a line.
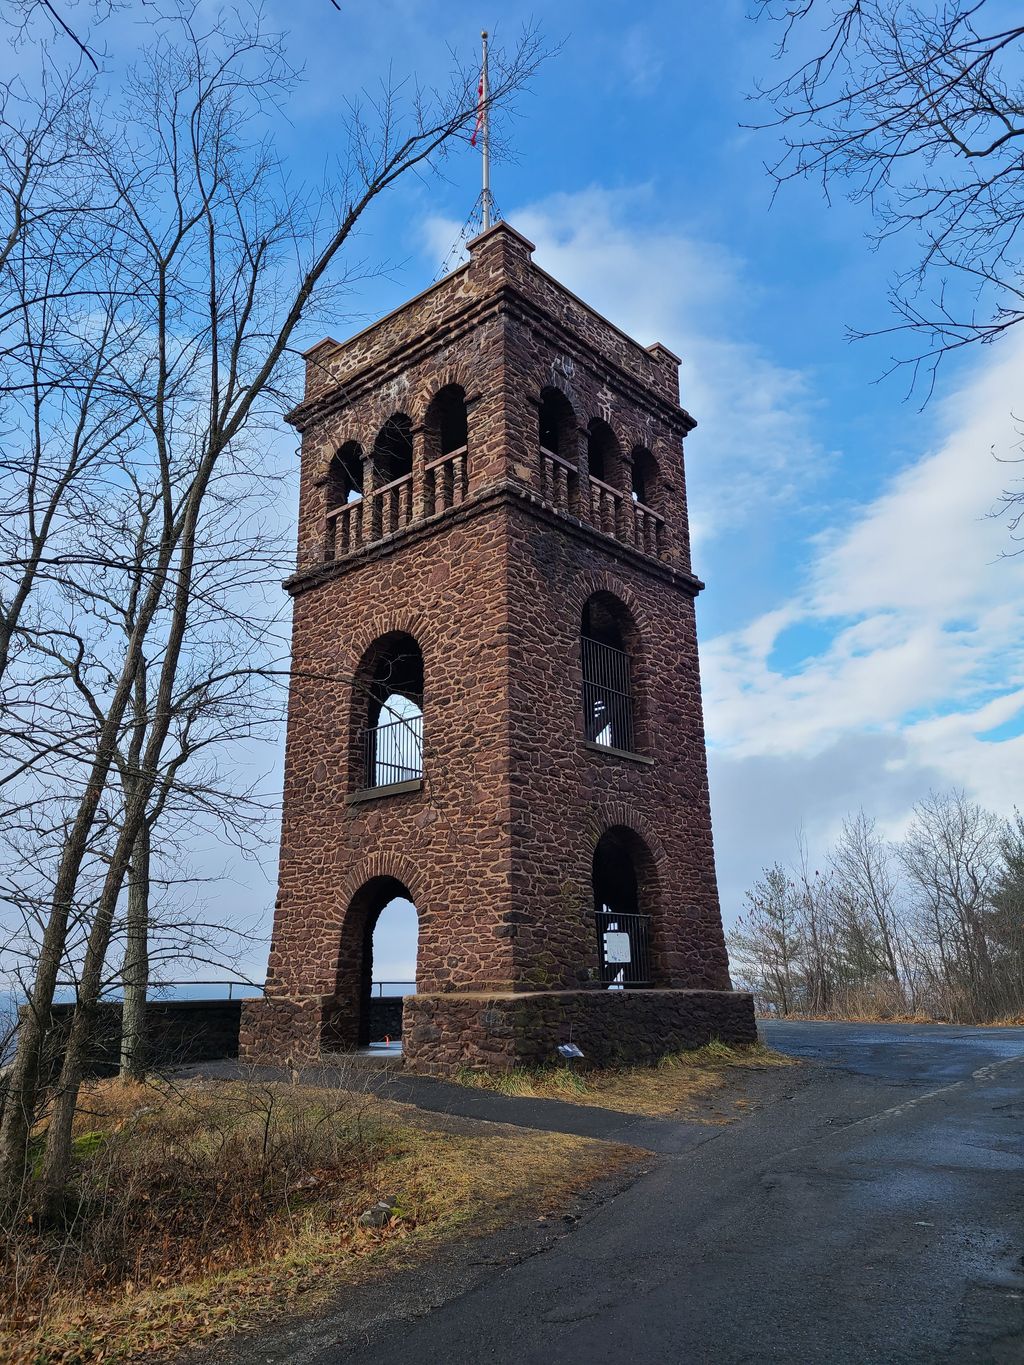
[928,926]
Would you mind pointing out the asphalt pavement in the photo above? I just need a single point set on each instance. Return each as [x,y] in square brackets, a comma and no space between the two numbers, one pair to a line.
[871,1209]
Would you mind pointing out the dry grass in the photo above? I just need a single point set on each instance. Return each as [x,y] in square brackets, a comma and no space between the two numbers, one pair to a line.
[869,1016]
[680,1082]
[866,1015]
[202,1209]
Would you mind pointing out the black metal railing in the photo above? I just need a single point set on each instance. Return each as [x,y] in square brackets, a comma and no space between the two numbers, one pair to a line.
[623,949]
[377,989]
[393,752]
[607,695]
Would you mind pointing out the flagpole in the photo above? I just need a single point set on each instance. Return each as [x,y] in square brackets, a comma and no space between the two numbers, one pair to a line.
[486,147]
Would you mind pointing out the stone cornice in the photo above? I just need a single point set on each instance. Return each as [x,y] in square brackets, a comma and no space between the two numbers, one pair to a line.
[507,298]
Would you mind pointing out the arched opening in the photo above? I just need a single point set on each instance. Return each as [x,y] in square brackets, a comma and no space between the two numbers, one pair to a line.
[446,437]
[392,949]
[446,423]
[392,451]
[557,425]
[624,894]
[376,966]
[608,648]
[345,476]
[344,496]
[388,712]
[646,485]
[604,459]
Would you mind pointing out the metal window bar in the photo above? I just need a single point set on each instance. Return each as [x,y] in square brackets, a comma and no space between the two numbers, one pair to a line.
[393,752]
[607,695]
[617,936]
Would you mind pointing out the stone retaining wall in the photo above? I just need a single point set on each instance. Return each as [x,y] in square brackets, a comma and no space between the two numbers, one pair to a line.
[611,1028]
[178,1031]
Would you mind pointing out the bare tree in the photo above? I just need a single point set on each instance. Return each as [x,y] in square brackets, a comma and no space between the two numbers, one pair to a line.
[1006,925]
[225,259]
[917,109]
[768,940]
[952,858]
[865,881]
[932,924]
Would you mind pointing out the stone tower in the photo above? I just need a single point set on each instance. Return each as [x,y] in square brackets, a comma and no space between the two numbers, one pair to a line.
[495,707]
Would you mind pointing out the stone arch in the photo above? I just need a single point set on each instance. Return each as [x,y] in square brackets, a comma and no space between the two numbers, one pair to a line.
[628,884]
[445,422]
[391,454]
[397,866]
[610,648]
[591,583]
[646,478]
[455,373]
[558,423]
[417,624]
[604,453]
[619,813]
[346,1015]
[345,475]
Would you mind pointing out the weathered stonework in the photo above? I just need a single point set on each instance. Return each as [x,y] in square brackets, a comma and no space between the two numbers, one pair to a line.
[488,573]
[443,1033]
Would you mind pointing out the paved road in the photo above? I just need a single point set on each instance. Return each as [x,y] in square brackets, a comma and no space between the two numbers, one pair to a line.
[872,1212]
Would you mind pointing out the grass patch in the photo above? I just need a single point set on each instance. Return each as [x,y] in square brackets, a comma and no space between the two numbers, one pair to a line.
[677,1083]
[202,1209]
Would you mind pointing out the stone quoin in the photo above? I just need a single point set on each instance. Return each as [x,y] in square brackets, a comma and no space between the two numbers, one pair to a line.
[495,704]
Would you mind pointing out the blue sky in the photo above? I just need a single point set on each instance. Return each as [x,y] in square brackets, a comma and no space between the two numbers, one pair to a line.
[861,636]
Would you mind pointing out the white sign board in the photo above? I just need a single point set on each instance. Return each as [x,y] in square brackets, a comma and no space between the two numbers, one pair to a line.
[616,948]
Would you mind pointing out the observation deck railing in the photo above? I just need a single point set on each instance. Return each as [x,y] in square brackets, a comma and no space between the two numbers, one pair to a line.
[442,484]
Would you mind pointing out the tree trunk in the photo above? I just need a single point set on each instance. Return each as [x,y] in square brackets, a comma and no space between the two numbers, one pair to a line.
[135,971]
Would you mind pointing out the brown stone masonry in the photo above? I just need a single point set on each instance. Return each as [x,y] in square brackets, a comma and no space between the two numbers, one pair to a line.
[448,558]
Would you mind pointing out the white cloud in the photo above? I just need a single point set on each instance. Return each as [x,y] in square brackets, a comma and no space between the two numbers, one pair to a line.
[924,615]
[911,624]
[916,679]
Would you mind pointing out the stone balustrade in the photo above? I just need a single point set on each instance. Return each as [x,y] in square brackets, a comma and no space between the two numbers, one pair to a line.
[443,484]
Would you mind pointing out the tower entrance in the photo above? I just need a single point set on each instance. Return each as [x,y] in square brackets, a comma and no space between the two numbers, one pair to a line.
[359,1012]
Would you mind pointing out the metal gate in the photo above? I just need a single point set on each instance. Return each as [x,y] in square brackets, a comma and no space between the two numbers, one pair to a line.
[623,949]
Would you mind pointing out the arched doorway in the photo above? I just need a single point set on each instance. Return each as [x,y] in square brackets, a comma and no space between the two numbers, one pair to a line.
[624,894]
[393,943]
[352,1018]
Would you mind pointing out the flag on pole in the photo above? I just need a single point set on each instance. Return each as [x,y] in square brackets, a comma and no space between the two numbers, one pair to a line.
[479,110]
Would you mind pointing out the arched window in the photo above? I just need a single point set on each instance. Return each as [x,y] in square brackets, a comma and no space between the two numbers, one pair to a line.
[557,423]
[389,702]
[623,878]
[646,489]
[603,458]
[446,424]
[392,451]
[608,639]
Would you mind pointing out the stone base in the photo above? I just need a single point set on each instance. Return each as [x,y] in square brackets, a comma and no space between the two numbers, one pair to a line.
[280,1030]
[442,1033]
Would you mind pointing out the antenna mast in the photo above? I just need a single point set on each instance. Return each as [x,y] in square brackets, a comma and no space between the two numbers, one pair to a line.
[485,93]
[485,211]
